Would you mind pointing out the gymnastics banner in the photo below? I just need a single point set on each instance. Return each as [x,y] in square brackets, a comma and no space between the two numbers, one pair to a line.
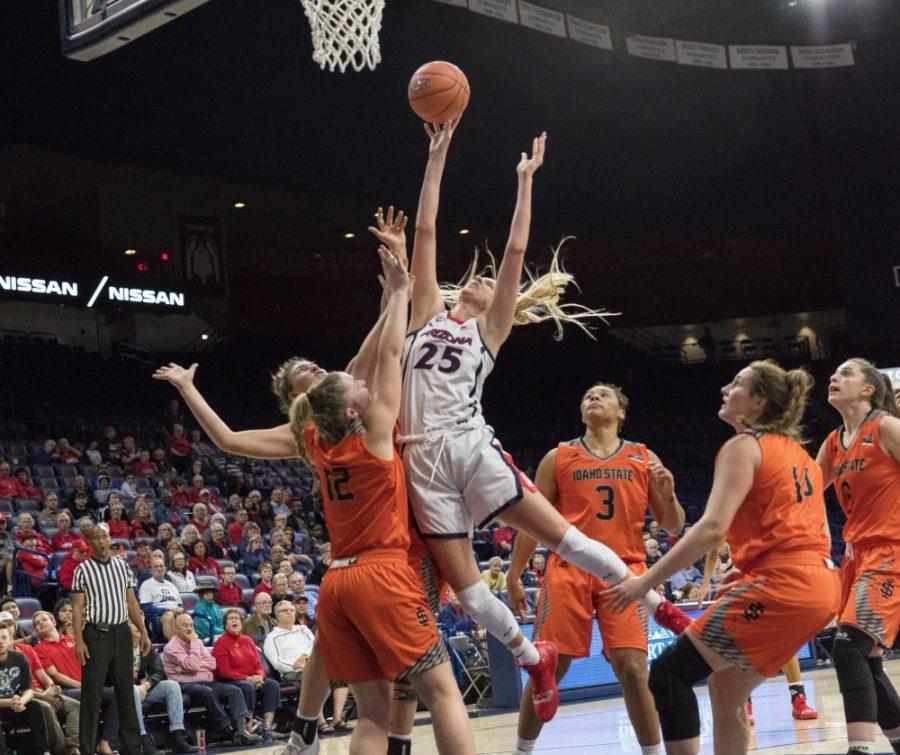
[589,33]
[701,54]
[758,56]
[542,19]
[825,56]
[505,10]
[654,48]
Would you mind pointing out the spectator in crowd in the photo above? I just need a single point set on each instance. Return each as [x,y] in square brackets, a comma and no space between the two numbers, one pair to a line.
[285,568]
[31,561]
[237,661]
[47,515]
[172,416]
[266,517]
[296,520]
[319,536]
[165,534]
[143,523]
[79,485]
[118,526]
[229,593]
[277,501]
[143,466]
[265,580]
[203,564]
[679,579]
[189,535]
[276,556]
[201,518]
[280,588]
[47,455]
[64,615]
[503,538]
[102,491]
[538,570]
[26,527]
[140,562]
[651,550]
[92,452]
[109,445]
[17,701]
[261,621]
[56,653]
[160,601]
[128,487]
[219,544]
[57,709]
[8,604]
[151,686]
[493,576]
[78,552]
[210,500]
[66,453]
[236,528]
[689,593]
[173,549]
[180,575]
[452,619]
[63,538]
[7,546]
[188,662]
[9,487]
[301,609]
[179,448]
[130,452]
[199,447]
[181,495]
[255,555]
[161,462]
[318,572]
[26,488]
[81,506]
[208,617]
[288,645]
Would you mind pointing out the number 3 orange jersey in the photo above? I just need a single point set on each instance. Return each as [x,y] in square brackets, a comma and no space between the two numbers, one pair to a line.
[364,496]
[606,498]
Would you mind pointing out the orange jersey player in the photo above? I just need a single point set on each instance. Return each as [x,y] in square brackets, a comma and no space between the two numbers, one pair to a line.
[375,625]
[602,485]
[767,499]
[862,460]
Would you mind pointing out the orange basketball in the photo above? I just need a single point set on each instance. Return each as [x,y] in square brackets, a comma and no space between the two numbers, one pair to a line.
[438,92]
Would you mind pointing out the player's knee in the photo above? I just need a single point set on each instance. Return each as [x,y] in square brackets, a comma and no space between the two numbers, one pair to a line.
[631,671]
[851,664]
[672,677]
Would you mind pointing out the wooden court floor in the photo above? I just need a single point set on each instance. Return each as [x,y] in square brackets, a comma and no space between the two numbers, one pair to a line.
[602,726]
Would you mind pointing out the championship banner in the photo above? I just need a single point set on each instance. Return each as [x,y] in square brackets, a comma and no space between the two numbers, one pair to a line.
[824,56]
[770,57]
[457,3]
[505,10]
[652,48]
[701,54]
[542,19]
[202,256]
[589,33]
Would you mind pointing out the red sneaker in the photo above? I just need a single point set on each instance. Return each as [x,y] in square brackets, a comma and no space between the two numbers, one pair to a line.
[750,713]
[670,617]
[802,710]
[544,692]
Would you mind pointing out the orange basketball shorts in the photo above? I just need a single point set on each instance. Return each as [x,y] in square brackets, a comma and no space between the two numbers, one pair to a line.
[761,622]
[374,621]
[568,601]
[870,591]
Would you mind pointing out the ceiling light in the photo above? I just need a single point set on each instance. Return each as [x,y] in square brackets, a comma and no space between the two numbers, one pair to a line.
[130,252]
[239,205]
[205,336]
[463,231]
[349,235]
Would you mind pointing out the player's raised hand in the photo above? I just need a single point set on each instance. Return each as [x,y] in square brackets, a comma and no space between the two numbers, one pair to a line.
[396,276]
[440,136]
[176,374]
[661,479]
[391,231]
[528,165]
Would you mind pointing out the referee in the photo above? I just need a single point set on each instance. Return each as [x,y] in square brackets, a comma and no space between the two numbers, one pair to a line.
[103,601]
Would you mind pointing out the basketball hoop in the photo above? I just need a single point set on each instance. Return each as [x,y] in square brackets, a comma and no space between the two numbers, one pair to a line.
[345,32]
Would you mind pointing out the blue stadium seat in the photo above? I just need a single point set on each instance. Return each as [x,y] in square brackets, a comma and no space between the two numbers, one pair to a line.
[27,607]
[190,599]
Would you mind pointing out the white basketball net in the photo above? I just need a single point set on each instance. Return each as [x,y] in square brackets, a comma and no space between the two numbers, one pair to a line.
[345,32]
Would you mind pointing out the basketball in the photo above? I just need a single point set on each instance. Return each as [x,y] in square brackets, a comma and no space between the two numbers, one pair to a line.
[438,92]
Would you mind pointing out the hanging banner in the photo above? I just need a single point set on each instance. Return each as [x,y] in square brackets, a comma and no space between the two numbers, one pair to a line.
[505,10]
[202,255]
[589,33]
[653,48]
[457,3]
[701,54]
[758,56]
[542,19]
[824,56]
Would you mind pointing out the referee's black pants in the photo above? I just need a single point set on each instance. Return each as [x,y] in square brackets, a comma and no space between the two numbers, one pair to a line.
[110,655]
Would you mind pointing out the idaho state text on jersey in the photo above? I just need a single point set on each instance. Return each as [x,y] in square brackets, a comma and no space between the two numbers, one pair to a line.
[603,473]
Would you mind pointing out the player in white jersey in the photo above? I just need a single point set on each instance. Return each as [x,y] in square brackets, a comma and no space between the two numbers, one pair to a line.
[457,472]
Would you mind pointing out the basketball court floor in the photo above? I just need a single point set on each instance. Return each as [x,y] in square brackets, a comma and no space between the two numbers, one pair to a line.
[602,726]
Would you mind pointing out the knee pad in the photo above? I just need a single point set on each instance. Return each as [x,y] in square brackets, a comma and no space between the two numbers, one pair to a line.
[851,664]
[672,678]
[489,611]
[885,695]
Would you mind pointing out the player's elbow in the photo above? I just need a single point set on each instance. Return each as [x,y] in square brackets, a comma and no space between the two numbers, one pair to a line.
[425,228]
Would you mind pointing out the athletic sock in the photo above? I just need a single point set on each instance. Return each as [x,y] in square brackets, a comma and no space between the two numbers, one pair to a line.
[656,749]
[599,560]
[526,654]
[860,748]
[399,744]
[795,689]
[305,730]
[524,746]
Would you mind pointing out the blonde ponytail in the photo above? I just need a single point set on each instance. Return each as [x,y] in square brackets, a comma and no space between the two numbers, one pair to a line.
[324,405]
[539,295]
[786,394]
[299,415]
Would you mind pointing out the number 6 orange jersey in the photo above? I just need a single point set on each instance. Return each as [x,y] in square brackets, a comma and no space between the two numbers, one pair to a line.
[606,498]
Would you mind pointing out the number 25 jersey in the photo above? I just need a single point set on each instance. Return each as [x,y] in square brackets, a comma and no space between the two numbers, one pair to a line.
[606,498]
[445,364]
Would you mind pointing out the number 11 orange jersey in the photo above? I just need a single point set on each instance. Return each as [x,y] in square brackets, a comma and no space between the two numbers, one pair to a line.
[606,498]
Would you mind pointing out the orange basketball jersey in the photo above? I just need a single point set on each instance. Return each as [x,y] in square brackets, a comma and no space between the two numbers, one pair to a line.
[867,483]
[364,496]
[784,509]
[606,498]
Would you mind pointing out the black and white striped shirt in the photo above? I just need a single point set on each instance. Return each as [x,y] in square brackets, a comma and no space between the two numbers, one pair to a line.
[104,586]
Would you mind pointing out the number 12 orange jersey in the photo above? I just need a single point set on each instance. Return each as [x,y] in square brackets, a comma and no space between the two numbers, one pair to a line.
[364,496]
[606,498]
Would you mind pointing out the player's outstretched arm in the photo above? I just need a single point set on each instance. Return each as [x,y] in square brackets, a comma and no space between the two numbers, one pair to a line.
[825,466]
[273,443]
[502,312]
[664,503]
[426,299]
[380,416]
